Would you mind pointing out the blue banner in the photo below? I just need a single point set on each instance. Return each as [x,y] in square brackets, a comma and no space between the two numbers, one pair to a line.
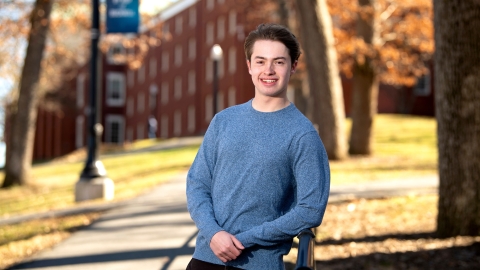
[122,16]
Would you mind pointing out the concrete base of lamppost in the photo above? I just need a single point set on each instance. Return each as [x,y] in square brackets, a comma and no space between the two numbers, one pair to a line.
[96,188]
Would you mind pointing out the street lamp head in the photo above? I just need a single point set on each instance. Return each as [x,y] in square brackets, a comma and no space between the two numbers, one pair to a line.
[216,53]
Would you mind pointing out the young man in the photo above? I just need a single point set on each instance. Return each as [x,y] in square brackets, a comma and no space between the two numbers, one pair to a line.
[261,174]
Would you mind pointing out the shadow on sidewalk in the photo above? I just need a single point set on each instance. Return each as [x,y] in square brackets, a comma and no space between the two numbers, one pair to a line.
[171,254]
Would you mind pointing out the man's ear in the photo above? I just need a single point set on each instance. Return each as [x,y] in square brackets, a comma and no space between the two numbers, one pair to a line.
[294,67]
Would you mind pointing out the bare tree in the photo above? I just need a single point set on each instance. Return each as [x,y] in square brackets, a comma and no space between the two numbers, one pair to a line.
[457,89]
[19,152]
[326,108]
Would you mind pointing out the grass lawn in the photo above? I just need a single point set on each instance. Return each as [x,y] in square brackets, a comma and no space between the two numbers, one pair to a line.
[404,146]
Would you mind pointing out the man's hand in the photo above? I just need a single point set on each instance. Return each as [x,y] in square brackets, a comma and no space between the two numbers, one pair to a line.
[225,246]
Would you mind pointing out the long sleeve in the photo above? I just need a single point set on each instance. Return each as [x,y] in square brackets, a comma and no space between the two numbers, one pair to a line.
[312,176]
[199,185]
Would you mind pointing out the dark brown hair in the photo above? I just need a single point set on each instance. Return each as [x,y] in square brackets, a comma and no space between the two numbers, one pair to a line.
[273,32]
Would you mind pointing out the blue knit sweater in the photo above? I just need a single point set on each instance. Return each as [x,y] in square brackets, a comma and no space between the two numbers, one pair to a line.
[263,177]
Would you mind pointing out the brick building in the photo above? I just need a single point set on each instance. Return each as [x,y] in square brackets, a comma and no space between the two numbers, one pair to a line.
[175,83]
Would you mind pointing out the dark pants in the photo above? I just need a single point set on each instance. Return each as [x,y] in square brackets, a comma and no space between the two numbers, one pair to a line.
[201,265]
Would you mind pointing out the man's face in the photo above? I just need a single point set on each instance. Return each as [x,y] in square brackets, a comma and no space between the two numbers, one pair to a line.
[270,67]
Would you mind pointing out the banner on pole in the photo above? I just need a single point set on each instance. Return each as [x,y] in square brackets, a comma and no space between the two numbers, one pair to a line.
[122,16]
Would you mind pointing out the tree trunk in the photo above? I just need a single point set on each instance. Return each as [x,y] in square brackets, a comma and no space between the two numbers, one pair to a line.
[457,100]
[327,111]
[20,144]
[365,83]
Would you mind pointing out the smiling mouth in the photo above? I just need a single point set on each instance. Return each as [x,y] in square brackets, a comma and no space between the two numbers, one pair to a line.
[269,81]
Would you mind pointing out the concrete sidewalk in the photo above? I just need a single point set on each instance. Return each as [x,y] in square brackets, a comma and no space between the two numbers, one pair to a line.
[154,231]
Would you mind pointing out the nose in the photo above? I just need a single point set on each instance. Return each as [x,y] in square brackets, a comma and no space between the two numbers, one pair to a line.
[269,70]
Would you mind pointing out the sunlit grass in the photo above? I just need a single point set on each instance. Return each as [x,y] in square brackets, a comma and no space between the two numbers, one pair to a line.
[404,147]
[52,184]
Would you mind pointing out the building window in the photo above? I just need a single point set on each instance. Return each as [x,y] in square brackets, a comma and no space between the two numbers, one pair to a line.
[166,30]
[192,49]
[116,54]
[115,89]
[165,60]
[153,67]
[191,119]
[131,78]
[209,33]
[81,90]
[79,131]
[177,123]
[153,97]
[178,87]
[114,127]
[232,60]
[422,88]
[208,108]
[210,4]
[179,25]
[164,127]
[231,96]
[192,17]
[221,28]
[221,1]
[141,74]
[191,82]
[178,55]
[232,22]
[141,102]
[164,97]
[130,107]
[140,131]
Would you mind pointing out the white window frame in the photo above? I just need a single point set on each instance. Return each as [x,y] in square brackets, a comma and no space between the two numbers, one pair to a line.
[164,127]
[178,55]
[153,96]
[140,102]
[141,74]
[140,131]
[209,32]
[114,118]
[232,96]
[179,25]
[232,60]
[192,49]
[165,61]
[165,90]
[153,67]
[422,87]
[111,77]
[232,22]
[192,17]
[191,119]
[221,28]
[191,82]
[177,123]
[178,87]
[210,4]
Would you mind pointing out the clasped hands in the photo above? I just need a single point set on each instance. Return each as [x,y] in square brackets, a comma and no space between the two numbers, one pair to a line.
[225,246]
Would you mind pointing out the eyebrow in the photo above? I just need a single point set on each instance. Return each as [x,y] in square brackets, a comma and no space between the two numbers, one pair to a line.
[275,58]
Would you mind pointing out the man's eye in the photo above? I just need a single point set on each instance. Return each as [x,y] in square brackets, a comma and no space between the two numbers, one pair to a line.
[259,62]
[279,63]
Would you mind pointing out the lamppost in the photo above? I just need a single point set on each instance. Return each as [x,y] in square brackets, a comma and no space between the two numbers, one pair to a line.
[94,183]
[216,55]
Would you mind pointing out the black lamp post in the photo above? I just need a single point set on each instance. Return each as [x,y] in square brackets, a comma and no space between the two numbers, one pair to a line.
[93,167]
[94,183]
[216,54]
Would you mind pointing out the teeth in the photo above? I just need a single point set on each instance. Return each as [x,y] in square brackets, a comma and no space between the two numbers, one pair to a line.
[269,81]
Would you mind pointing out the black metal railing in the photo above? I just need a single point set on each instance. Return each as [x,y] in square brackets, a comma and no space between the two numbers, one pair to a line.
[306,247]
